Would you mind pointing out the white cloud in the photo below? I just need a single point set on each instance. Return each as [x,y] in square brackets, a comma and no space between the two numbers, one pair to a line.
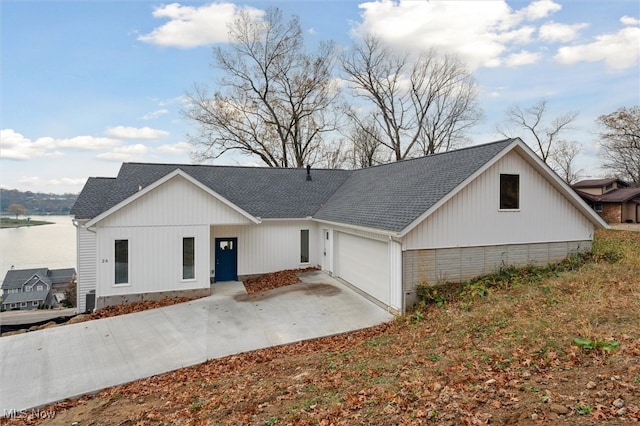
[178,148]
[190,26]
[555,32]
[619,51]
[155,114]
[124,132]
[14,146]
[64,181]
[84,143]
[125,153]
[480,32]
[522,58]
[629,20]
[540,9]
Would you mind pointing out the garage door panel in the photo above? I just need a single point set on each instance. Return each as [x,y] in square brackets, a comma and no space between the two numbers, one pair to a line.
[364,263]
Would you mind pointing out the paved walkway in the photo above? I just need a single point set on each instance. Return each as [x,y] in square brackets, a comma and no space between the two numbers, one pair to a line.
[50,365]
[626,226]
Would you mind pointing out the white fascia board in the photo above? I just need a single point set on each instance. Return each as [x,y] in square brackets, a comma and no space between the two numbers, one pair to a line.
[285,219]
[161,181]
[358,228]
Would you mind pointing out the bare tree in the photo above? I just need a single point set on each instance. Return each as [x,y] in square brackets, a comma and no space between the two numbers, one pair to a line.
[620,143]
[418,104]
[563,161]
[332,155]
[533,121]
[274,98]
[365,141]
[17,209]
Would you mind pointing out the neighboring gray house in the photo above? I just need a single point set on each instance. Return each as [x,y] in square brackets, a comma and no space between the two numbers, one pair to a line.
[30,288]
[165,229]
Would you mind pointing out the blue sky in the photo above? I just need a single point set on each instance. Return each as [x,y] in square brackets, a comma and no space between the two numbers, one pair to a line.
[86,85]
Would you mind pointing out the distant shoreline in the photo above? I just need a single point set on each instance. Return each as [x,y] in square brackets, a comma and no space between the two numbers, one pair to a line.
[6,222]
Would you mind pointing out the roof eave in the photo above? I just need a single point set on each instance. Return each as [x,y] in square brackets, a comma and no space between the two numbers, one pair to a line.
[390,233]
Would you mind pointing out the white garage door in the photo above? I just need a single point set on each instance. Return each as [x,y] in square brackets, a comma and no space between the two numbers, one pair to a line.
[364,263]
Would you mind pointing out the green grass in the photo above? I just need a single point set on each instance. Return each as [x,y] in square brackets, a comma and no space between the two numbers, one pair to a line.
[6,222]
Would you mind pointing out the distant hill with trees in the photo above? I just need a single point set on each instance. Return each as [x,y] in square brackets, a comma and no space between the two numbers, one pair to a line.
[37,202]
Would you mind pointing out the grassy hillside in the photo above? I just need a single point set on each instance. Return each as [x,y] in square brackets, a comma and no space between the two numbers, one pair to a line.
[533,346]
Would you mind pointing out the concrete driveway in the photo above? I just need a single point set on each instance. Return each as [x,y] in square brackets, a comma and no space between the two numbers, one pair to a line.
[50,365]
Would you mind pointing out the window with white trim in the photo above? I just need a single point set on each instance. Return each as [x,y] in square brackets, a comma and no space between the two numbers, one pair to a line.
[121,264]
[509,192]
[304,246]
[188,258]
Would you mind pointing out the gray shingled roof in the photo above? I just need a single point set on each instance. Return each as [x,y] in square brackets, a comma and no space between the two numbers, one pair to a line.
[15,278]
[261,191]
[61,276]
[387,197]
[29,296]
[94,198]
[391,196]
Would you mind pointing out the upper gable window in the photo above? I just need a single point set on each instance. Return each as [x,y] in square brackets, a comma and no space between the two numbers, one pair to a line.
[509,192]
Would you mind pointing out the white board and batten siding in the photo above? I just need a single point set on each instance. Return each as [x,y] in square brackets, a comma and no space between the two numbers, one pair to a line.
[273,245]
[472,217]
[152,270]
[86,281]
[155,225]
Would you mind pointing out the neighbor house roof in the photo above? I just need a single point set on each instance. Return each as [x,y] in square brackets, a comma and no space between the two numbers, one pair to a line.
[597,183]
[16,278]
[62,276]
[29,296]
[620,195]
[389,197]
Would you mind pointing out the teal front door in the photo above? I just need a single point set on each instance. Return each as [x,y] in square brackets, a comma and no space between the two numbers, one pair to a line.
[226,259]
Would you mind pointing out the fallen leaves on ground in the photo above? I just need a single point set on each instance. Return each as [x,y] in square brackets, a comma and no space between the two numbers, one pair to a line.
[507,357]
[130,308]
[274,280]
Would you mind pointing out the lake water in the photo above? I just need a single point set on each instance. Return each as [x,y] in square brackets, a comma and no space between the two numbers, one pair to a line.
[46,246]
